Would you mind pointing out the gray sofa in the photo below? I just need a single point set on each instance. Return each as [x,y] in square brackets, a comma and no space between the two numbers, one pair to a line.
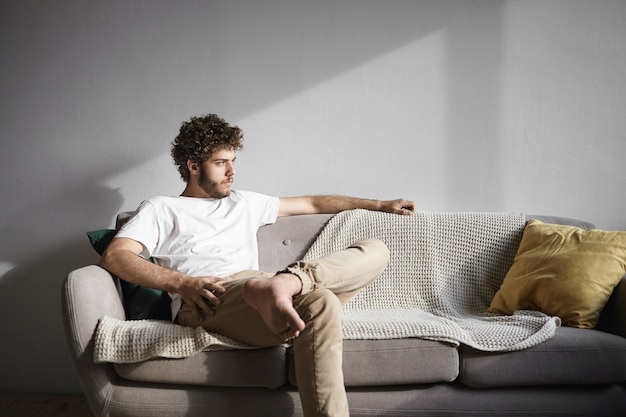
[579,372]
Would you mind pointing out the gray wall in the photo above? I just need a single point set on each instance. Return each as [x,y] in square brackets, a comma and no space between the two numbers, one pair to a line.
[459,105]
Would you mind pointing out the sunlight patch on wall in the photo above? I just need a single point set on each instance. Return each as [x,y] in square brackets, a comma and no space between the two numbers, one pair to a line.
[5,267]
[374,129]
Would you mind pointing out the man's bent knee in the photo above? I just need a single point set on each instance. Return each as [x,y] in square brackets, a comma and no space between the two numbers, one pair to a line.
[319,303]
[376,250]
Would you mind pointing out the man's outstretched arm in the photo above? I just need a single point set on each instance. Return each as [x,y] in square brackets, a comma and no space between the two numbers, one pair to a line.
[332,204]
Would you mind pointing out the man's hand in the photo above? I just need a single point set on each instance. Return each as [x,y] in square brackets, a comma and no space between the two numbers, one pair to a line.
[399,206]
[201,293]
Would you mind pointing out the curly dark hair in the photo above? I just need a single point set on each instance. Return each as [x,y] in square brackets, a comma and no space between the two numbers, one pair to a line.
[200,137]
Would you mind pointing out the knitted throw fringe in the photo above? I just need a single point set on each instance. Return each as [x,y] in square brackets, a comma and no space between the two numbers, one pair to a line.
[444,270]
[130,341]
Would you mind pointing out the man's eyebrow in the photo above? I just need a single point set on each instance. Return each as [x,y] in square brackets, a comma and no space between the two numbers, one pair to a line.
[223,159]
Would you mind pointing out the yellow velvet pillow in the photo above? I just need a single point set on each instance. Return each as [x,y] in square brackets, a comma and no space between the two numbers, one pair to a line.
[563,271]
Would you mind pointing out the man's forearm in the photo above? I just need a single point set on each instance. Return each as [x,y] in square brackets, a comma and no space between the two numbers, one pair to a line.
[335,204]
[332,204]
[132,268]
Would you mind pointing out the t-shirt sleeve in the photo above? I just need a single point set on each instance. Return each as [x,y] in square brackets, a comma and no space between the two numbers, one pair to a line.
[143,228]
[271,213]
[266,206]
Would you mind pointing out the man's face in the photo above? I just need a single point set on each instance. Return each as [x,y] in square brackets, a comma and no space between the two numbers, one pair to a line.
[217,173]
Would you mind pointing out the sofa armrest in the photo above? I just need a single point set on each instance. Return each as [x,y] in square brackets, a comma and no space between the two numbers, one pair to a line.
[88,294]
[613,317]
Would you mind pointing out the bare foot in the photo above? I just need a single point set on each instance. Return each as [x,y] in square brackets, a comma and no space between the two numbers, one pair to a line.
[272,298]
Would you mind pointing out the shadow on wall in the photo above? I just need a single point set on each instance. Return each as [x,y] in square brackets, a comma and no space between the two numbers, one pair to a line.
[51,243]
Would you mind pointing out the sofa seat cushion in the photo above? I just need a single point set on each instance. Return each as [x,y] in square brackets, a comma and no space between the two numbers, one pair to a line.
[395,362]
[265,367]
[572,357]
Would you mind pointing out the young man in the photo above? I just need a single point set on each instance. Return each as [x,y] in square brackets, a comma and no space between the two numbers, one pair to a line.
[203,243]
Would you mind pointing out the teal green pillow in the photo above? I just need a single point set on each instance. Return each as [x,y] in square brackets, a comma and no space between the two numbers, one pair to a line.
[139,302]
[100,239]
[145,303]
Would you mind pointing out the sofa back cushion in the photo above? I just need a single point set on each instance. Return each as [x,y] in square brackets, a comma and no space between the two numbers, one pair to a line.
[287,240]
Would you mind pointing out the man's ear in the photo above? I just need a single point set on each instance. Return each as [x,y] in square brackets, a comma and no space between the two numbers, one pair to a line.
[193,167]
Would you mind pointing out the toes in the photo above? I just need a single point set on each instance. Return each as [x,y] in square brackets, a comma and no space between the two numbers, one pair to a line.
[289,335]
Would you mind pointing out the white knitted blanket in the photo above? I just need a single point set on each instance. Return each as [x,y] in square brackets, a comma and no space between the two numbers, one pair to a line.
[444,270]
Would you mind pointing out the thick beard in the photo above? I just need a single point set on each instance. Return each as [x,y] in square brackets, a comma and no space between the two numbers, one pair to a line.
[212,188]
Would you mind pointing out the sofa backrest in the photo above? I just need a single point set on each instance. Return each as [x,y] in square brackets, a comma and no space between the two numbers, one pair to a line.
[287,240]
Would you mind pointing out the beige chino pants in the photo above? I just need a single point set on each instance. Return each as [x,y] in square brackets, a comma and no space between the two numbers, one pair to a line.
[328,284]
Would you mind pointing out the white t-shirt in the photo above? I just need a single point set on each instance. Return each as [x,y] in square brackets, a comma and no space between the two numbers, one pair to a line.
[202,236]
